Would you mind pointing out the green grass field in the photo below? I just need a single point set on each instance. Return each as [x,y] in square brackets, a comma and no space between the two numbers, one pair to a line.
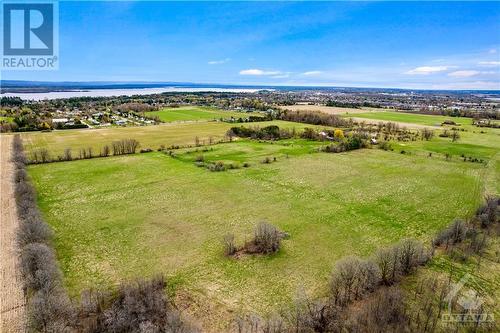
[148,136]
[419,119]
[196,113]
[122,217]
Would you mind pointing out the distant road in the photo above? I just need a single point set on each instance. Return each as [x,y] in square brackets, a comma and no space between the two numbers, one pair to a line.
[12,301]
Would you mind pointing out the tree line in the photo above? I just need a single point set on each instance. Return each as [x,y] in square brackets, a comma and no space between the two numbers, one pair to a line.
[315,118]
[118,147]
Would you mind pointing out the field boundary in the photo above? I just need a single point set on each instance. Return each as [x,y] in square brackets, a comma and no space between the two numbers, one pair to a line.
[12,300]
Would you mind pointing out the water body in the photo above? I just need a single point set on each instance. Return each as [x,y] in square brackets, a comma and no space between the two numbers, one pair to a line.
[38,96]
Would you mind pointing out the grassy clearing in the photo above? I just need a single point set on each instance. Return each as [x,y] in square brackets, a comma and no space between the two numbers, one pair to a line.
[443,146]
[195,113]
[148,136]
[122,217]
[245,151]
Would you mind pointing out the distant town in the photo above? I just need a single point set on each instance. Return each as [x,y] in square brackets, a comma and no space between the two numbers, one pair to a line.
[17,114]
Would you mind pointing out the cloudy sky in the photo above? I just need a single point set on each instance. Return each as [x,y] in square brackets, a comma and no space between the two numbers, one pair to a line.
[442,45]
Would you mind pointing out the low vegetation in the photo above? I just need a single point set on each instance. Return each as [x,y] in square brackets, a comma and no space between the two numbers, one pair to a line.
[267,240]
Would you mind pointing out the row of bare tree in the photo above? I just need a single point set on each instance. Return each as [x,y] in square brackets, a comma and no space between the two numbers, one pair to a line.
[119,147]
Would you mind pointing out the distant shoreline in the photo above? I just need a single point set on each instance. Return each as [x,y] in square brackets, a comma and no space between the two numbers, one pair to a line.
[37,95]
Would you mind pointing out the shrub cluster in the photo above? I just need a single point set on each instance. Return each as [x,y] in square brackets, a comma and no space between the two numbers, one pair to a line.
[267,239]
[427,134]
[215,166]
[354,277]
[453,234]
[453,134]
[271,132]
[385,145]
[462,238]
[352,142]
[124,146]
[139,306]
[489,213]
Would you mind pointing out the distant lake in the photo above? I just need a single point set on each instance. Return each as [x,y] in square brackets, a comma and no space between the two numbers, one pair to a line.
[118,92]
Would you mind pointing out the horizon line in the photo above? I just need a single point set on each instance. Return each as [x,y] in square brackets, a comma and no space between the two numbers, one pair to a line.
[235,85]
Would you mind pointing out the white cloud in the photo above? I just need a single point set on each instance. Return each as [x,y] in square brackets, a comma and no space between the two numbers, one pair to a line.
[464,73]
[259,72]
[492,51]
[426,70]
[219,62]
[489,63]
[312,73]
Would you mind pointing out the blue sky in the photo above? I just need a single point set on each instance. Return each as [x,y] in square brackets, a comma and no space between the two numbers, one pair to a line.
[438,45]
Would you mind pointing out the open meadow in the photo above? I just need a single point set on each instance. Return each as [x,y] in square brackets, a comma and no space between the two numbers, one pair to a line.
[196,113]
[123,217]
[411,118]
[153,137]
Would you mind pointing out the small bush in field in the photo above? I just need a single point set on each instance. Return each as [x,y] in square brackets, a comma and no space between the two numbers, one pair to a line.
[216,167]
[267,238]
[338,134]
[229,245]
[385,145]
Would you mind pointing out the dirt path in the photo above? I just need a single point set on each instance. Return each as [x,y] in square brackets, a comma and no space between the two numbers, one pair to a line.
[12,301]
